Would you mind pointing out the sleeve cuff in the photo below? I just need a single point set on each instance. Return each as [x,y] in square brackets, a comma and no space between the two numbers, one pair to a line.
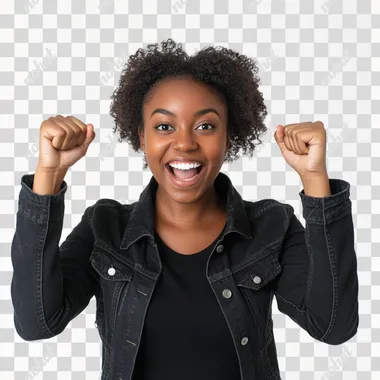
[27,192]
[322,208]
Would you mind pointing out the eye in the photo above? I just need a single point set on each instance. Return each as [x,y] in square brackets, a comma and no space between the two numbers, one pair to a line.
[207,124]
[160,126]
[157,127]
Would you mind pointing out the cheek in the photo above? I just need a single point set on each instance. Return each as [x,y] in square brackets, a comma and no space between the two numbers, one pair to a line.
[154,145]
[216,150]
[155,152]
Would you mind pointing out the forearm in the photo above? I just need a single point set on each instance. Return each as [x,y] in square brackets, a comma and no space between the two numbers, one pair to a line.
[51,284]
[36,283]
[323,295]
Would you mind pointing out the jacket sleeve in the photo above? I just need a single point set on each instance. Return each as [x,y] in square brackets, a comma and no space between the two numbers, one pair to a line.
[318,285]
[50,285]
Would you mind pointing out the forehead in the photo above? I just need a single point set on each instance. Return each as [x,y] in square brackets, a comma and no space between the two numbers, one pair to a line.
[186,92]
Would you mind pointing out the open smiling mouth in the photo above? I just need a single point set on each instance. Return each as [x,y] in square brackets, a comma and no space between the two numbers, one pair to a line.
[184,181]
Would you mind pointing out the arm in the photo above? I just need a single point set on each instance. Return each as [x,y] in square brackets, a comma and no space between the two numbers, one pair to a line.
[50,285]
[318,285]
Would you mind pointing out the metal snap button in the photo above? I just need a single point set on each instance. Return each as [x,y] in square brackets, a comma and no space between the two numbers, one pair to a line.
[257,280]
[219,248]
[244,341]
[227,293]
[111,271]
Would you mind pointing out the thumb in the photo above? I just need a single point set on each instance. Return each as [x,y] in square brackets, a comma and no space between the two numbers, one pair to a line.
[90,135]
[279,137]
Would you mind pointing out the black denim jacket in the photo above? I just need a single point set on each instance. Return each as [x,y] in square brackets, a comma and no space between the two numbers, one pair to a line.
[112,254]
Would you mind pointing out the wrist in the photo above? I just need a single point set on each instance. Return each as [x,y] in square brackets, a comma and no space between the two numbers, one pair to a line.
[52,172]
[47,181]
[310,176]
[316,185]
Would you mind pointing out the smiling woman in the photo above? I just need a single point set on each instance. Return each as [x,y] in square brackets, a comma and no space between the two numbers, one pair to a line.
[183,110]
[228,78]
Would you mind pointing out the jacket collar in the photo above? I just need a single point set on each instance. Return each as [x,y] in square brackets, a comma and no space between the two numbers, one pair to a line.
[141,218]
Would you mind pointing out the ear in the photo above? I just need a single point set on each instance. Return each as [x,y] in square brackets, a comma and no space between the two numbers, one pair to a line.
[228,141]
[141,137]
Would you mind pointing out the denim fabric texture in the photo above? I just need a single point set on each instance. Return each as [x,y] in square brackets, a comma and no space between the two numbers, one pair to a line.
[265,252]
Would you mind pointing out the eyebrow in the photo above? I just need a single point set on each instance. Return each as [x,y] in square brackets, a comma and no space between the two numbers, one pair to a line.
[198,113]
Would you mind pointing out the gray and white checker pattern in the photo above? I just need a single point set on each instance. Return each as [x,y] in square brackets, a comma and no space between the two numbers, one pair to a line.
[319,60]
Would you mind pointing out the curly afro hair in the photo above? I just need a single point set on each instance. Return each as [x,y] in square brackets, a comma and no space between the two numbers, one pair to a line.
[232,74]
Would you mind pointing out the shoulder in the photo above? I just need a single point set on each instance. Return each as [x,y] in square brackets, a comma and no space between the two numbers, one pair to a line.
[269,219]
[108,220]
[109,207]
[268,208]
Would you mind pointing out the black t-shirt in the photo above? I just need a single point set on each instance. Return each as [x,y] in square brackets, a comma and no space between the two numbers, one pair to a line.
[185,335]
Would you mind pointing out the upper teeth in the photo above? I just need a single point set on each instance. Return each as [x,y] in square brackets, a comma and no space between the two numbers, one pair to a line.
[185,166]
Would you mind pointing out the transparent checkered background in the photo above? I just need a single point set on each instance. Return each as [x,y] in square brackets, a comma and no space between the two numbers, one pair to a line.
[318,61]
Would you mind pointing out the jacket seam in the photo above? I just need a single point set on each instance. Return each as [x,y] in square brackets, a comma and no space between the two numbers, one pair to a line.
[40,257]
[276,293]
[253,208]
[266,251]
[334,280]
[311,268]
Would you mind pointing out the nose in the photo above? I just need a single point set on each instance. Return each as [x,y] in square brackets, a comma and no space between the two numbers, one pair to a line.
[185,140]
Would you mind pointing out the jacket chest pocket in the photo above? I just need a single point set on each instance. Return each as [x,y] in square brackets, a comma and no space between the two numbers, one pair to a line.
[114,277]
[255,281]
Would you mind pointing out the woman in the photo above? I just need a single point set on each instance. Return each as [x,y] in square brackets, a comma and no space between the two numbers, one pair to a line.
[184,278]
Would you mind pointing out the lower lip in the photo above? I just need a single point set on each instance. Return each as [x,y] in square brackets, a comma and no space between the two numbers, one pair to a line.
[185,183]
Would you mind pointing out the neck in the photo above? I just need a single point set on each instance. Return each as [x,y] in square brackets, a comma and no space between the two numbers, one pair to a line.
[188,215]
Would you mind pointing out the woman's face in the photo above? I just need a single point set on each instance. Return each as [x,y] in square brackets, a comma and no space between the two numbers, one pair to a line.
[173,131]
